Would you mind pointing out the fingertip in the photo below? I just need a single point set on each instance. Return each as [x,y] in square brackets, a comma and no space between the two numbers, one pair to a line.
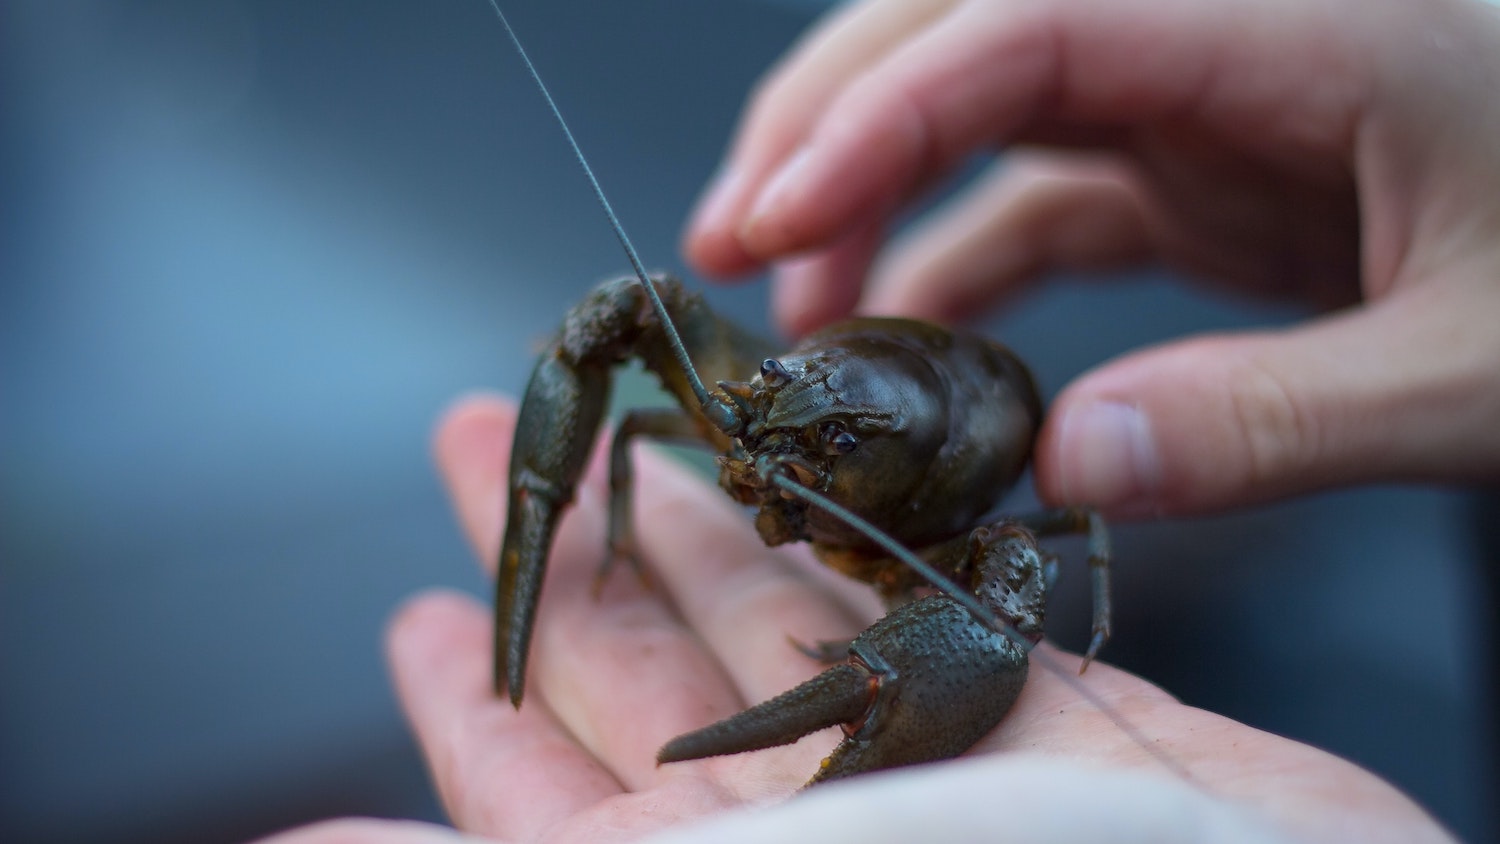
[367,831]
[1100,451]
[780,116]
[437,648]
[711,242]
[471,425]
[791,281]
[718,256]
[856,171]
[1200,425]
[472,445]
[432,623]
[1154,433]
[812,291]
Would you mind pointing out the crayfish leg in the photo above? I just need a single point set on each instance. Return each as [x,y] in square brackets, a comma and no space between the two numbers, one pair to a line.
[665,425]
[924,683]
[840,695]
[1086,521]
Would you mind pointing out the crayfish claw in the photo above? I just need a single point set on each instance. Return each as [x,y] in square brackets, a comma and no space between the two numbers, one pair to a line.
[1095,643]
[924,683]
[840,695]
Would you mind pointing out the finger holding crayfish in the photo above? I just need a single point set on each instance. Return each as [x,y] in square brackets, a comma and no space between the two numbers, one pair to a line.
[627,672]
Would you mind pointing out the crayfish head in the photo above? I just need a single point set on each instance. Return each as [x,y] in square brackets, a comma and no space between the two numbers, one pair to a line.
[860,425]
[911,427]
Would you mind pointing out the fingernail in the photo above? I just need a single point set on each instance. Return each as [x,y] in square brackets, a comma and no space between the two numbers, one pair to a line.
[797,272]
[794,281]
[718,201]
[776,193]
[1108,455]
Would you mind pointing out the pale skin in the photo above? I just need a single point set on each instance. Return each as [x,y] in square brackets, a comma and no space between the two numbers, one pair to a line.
[1233,139]
[614,678]
[1343,153]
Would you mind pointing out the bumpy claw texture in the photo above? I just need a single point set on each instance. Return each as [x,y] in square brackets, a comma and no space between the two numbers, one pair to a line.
[924,683]
[947,681]
[560,415]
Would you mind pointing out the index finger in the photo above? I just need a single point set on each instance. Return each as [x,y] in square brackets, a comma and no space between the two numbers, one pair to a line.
[989,73]
[785,106]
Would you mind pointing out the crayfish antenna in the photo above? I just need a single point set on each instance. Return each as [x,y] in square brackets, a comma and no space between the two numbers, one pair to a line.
[717,410]
[961,596]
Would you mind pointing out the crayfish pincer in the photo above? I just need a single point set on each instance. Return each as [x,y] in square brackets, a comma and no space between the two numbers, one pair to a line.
[885,443]
[875,440]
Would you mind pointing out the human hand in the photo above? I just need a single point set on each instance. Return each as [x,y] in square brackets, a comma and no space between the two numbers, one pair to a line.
[613,678]
[1338,151]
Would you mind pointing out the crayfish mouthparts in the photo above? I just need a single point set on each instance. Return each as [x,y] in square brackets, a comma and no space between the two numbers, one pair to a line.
[789,466]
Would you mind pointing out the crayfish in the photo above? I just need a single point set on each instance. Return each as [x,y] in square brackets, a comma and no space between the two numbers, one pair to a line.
[885,443]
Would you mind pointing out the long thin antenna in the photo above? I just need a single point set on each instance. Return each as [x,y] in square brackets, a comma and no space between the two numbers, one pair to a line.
[673,338]
[905,555]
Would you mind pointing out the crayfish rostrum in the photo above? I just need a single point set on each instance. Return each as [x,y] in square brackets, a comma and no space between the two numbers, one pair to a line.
[885,443]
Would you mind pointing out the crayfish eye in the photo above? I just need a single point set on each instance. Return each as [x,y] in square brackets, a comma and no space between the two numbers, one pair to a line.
[773,373]
[836,440]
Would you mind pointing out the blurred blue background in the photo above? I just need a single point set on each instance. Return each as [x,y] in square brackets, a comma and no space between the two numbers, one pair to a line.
[251,249]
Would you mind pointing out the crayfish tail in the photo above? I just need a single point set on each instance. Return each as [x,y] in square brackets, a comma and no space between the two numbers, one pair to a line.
[841,695]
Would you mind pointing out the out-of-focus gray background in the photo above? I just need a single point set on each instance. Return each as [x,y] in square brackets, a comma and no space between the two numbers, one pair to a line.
[251,249]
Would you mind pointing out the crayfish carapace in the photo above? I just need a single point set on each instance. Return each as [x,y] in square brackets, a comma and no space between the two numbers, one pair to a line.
[882,442]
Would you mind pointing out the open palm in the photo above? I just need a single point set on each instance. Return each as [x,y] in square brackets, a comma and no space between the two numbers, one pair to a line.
[614,677]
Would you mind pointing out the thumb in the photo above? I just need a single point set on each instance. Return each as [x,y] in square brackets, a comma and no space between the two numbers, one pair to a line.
[1406,389]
